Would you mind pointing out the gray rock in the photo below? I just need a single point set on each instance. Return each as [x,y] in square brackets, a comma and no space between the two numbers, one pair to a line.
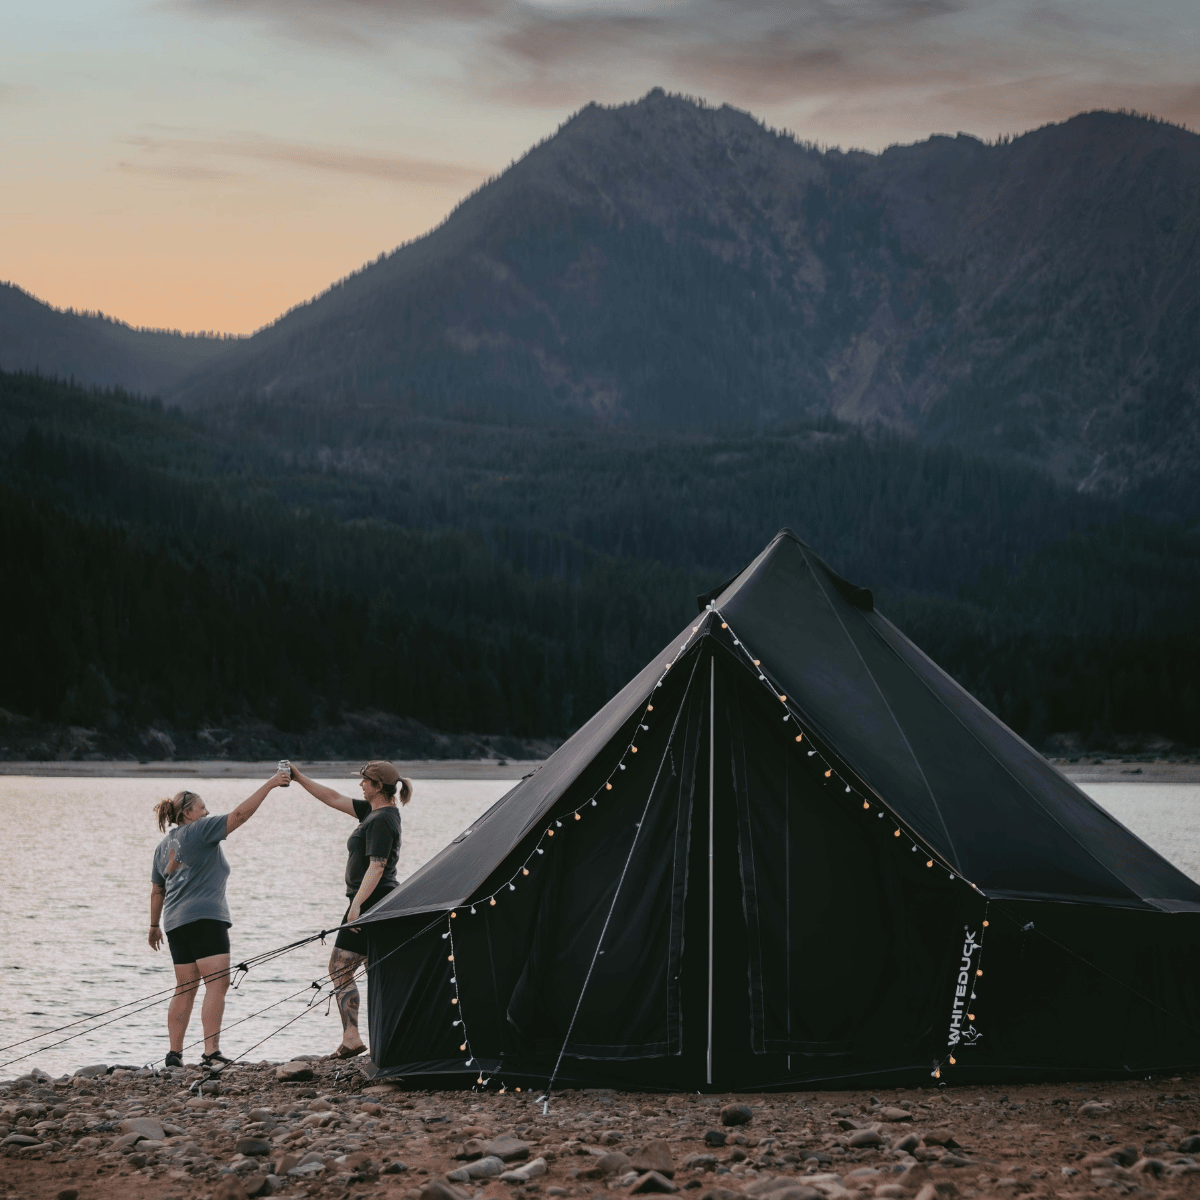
[736,1114]
[862,1138]
[798,1191]
[306,1170]
[655,1155]
[612,1162]
[701,1162]
[715,1137]
[894,1114]
[252,1146]
[471,1148]
[908,1143]
[1093,1108]
[1149,1166]
[458,1175]
[1190,1145]
[653,1181]
[395,1168]
[523,1174]
[21,1139]
[507,1149]
[435,1189]
[293,1072]
[146,1127]
[92,1071]
[484,1168]
[256,1185]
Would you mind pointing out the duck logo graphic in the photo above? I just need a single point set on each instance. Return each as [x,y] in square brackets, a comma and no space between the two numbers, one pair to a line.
[962,992]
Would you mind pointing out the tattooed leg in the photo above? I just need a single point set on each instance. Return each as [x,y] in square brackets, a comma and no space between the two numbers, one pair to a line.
[342,965]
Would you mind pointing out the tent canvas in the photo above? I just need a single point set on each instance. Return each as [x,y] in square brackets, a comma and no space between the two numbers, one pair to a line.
[791,851]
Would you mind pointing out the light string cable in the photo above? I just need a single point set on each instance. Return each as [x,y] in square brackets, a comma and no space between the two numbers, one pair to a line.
[318,985]
[154,998]
[617,892]
[245,965]
[833,771]
[591,801]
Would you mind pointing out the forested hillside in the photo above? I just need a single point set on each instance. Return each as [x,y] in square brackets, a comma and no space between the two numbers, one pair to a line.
[662,264]
[247,595]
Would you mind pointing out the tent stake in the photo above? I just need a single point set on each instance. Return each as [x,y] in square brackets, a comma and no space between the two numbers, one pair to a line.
[712,735]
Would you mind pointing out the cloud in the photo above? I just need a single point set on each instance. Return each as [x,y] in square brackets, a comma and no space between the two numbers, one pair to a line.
[889,58]
[174,171]
[194,149]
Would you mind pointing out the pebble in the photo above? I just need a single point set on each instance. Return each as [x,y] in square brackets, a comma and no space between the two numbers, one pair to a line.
[531,1170]
[653,1181]
[716,1137]
[294,1072]
[252,1146]
[507,1149]
[655,1157]
[736,1114]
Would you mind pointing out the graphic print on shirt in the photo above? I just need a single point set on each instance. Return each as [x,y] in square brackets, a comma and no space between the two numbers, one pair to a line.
[174,862]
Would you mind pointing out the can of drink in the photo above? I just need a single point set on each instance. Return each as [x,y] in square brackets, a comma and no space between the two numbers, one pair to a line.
[286,768]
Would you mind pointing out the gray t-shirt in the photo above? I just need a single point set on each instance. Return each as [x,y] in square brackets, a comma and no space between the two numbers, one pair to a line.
[195,890]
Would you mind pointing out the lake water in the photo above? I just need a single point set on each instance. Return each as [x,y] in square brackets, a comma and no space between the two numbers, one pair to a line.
[75,902]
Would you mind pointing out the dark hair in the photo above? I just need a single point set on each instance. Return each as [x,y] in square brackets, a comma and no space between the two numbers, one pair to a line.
[389,789]
[170,812]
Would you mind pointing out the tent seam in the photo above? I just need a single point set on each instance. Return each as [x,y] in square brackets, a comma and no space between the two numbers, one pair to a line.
[900,728]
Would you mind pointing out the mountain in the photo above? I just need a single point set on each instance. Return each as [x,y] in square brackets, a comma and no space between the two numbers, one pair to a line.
[94,349]
[669,264]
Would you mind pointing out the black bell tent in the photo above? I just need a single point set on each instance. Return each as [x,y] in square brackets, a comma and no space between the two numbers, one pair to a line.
[791,851]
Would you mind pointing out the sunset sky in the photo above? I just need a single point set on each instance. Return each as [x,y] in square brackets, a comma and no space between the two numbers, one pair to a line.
[206,164]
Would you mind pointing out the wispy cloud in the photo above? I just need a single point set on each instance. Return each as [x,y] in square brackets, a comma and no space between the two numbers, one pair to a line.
[190,151]
[825,54]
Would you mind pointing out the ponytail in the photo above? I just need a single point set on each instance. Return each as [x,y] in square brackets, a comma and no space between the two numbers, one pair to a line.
[400,790]
[170,811]
[405,790]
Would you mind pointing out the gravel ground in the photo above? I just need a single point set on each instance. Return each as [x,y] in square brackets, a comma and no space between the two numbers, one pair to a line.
[329,1132]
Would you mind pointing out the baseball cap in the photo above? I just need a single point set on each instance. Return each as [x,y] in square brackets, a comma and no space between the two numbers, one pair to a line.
[381,771]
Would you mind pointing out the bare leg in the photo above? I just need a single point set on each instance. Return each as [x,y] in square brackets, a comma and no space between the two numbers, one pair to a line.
[342,965]
[187,980]
[216,983]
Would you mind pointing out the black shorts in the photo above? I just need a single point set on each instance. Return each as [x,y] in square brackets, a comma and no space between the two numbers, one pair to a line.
[347,939]
[198,939]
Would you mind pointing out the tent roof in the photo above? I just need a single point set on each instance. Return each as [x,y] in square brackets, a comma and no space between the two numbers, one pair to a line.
[964,783]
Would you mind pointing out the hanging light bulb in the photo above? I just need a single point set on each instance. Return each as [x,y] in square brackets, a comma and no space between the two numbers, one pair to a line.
[985,924]
[758,662]
[649,707]
[929,863]
[540,851]
[937,1074]
[847,789]
[453,915]
[578,817]
[866,804]
[463,1046]
[799,737]
[512,887]
[896,834]
[633,749]
[970,1016]
[454,1001]
[473,906]
[724,624]
[608,787]
[593,801]
[492,902]
[978,973]
[449,957]
[479,1080]
[558,824]
[828,773]
[456,1024]
[524,870]
[783,699]
[953,1060]
[549,832]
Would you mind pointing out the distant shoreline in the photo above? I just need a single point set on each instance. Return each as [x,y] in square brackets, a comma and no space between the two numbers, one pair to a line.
[220,768]
[1109,770]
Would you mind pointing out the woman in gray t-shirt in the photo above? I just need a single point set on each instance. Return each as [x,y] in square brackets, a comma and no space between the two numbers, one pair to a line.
[187,895]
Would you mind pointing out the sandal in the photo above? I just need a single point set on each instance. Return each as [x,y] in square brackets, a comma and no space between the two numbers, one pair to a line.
[174,1059]
[216,1060]
[347,1052]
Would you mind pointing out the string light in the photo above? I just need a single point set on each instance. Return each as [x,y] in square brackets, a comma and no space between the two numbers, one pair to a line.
[828,773]
[799,737]
[607,787]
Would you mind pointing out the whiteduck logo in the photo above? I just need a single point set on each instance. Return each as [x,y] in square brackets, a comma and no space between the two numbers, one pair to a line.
[962,992]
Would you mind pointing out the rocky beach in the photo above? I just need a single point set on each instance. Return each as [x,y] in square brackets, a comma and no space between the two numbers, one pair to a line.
[321,1128]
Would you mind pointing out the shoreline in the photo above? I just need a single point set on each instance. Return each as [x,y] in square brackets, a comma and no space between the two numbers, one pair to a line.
[323,1129]
[1097,770]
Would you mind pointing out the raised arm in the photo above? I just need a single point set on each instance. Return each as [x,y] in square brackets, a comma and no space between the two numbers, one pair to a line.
[249,806]
[326,795]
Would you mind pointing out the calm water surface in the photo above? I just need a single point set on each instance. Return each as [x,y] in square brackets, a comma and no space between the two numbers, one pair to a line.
[74,909]
[74,904]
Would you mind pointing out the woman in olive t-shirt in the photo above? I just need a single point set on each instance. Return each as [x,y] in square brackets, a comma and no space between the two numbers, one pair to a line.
[373,849]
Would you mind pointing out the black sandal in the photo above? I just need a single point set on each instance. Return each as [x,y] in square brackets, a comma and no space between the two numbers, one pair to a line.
[174,1059]
[216,1060]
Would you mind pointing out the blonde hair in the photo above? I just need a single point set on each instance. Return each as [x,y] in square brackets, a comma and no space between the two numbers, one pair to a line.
[170,811]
